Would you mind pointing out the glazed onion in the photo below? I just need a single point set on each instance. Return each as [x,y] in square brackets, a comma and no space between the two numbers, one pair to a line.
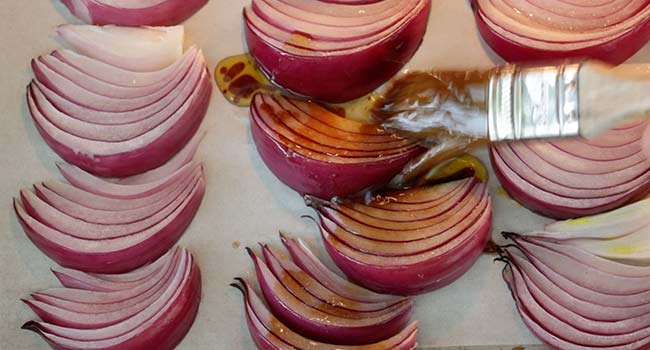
[307,260]
[269,333]
[112,121]
[316,312]
[134,13]
[525,30]
[100,226]
[294,40]
[151,308]
[315,151]
[572,299]
[411,241]
[575,177]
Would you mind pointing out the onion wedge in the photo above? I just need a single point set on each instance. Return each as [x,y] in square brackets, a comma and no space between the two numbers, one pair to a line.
[270,334]
[317,152]
[170,202]
[408,250]
[157,321]
[317,38]
[134,13]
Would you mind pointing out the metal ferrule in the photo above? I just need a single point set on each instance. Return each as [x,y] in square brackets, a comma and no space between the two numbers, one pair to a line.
[530,103]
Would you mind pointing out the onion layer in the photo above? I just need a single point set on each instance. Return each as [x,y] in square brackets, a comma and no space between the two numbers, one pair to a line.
[293,40]
[270,334]
[153,312]
[99,226]
[134,13]
[112,121]
[572,299]
[315,151]
[575,177]
[622,234]
[415,241]
[318,313]
[136,49]
[525,30]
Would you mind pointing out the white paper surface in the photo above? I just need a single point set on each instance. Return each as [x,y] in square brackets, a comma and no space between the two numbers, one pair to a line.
[244,202]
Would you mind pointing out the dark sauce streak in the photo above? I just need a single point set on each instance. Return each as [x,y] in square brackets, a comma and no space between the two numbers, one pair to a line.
[244,86]
[233,71]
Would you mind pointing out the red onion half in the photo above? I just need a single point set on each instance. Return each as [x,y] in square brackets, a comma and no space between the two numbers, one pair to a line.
[315,151]
[100,226]
[314,311]
[411,241]
[528,30]
[112,121]
[293,41]
[572,299]
[134,13]
[151,308]
[269,333]
[575,177]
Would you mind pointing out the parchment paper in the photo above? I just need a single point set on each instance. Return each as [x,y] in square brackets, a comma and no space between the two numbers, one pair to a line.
[244,202]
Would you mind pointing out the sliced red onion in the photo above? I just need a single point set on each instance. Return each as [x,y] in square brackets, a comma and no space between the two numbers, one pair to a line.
[72,226]
[101,202]
[569,330]
[119,76]
[422,203]
[319,37]
[409,257]
[138,49]
[129,99]
[343,16]
[572,299]
[282,266]
[621,234]
[114,216]
[134,13]
[159,325]
[307,260]
[307,166]
[118,254]
[442,217]
[92,316]
[149,150]
[598,274]
[58,68]
[70,278]
[162,109]
[102,187]
[270,334]
[564,179]
[323,31]
[588,307]
[525,30]
[325,320]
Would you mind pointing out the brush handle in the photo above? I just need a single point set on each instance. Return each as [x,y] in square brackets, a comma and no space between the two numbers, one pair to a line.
[609,96]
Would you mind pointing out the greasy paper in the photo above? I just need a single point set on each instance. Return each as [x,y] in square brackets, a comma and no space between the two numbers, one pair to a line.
[244,203]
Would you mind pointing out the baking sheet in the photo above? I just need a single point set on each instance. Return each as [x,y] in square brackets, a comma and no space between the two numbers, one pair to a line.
[244,202]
